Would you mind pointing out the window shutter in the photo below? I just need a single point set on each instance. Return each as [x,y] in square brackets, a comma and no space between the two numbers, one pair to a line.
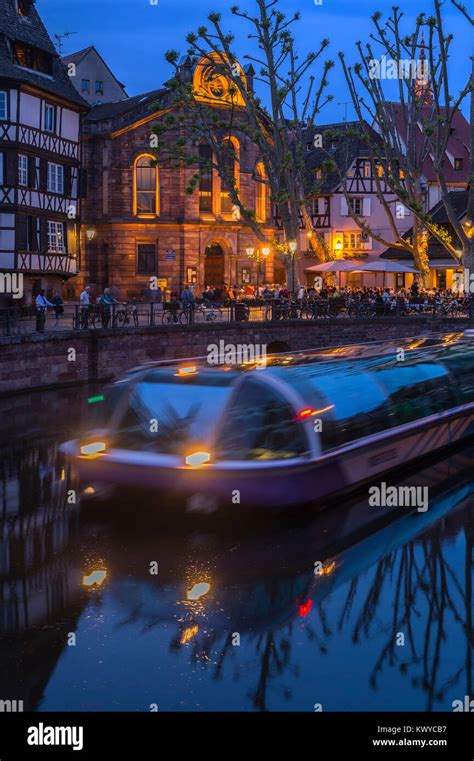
[31,171]
[43,175]
[22,232]
[67,181]
[366,207]
[11,168]
[344,209]
[43,235]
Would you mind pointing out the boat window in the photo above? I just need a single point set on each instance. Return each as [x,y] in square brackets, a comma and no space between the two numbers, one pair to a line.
[418,390]
[171,415]
[260,425]
[359,405]
[461,368]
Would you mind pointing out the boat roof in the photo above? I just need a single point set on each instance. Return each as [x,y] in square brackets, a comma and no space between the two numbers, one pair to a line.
[324,357]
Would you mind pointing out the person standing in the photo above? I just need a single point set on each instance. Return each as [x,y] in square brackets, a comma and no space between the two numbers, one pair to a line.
[58,307]
[106,301]
[85,301]
[42,305]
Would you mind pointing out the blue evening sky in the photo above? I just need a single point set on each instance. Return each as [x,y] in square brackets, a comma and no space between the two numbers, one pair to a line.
[133,35]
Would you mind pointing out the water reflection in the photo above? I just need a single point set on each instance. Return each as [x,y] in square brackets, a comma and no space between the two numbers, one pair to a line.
[227,620]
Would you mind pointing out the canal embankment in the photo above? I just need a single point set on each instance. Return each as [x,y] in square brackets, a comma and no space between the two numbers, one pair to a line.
[44,360]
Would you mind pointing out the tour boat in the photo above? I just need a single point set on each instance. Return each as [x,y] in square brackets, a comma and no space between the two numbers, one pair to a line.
[299,428]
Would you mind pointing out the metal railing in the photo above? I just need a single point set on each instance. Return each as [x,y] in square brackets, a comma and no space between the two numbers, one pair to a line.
[24,320]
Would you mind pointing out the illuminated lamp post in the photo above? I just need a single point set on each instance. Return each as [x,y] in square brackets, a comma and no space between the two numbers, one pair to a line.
[259,255]
[292,245]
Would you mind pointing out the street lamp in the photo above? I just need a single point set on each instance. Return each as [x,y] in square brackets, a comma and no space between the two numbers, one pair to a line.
[90,233]
[259,255]
[292,245]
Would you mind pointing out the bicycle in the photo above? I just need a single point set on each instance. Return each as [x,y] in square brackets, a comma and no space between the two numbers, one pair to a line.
[210,313]
[125,315]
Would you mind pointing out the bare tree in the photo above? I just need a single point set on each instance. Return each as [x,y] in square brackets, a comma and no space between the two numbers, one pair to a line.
[415,128]
[277,122]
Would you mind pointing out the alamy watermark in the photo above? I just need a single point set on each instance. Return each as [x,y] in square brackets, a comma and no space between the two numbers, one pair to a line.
[399,496]
[405,68]
[12,282]
[236,354]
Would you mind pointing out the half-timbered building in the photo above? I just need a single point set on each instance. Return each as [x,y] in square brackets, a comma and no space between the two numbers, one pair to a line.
[40,126]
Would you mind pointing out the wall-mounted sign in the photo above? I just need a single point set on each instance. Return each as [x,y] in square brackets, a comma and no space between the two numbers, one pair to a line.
[170,254]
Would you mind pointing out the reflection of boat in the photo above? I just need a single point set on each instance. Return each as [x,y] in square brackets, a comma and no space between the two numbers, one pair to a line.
[246,595]
[300,429]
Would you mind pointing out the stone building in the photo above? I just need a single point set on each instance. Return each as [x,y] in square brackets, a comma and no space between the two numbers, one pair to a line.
[141,223]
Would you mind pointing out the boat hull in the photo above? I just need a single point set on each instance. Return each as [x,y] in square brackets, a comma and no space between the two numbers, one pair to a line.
[281,484]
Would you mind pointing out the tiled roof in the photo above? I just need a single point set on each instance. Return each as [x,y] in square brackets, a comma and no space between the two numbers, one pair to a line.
[348,145]
[457,147]
[31,31]
[124,112]
[439,216]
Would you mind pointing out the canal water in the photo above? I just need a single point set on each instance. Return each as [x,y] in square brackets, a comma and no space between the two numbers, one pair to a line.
[119,608]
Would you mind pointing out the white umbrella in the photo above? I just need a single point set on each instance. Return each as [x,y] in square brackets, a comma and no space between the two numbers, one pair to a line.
[383,265]
[335,265]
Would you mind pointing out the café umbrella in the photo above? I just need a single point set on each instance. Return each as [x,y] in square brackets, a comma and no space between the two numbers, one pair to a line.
[384,266]
[335,265]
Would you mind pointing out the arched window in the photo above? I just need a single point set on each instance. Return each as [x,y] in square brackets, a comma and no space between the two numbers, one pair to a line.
[146,197]
[205,179]
[260,194]
[230,154]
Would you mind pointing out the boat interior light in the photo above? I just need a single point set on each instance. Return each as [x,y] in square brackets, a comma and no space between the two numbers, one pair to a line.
[198,458]
[96,447]
[184,371]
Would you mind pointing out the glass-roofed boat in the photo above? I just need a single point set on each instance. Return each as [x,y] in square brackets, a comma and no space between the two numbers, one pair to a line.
[301,428]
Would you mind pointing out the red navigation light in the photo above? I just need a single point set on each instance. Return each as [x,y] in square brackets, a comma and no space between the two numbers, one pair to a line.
[305,608]
[305,413]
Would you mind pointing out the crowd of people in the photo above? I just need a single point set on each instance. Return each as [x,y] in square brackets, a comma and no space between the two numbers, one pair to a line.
[354,300]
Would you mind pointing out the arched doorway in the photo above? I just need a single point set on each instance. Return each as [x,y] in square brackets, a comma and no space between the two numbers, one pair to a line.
[214,265]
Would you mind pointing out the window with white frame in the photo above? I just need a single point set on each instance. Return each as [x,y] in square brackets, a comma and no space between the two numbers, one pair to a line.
[356,205]
[352,240]
[23,170]
[56,237]
[55,178]
[49,117]
[3,104]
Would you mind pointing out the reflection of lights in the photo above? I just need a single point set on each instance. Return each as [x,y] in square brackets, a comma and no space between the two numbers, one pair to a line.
[63,474]
[305,608]
[189,633]
[89,490]
[327,569]
[309,412]
[416,344]
[184,371]
[198,458]
[198,591]
[95,448]
[94,578]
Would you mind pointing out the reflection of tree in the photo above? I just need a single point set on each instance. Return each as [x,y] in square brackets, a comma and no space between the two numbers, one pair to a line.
[427,601]
[424,584]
